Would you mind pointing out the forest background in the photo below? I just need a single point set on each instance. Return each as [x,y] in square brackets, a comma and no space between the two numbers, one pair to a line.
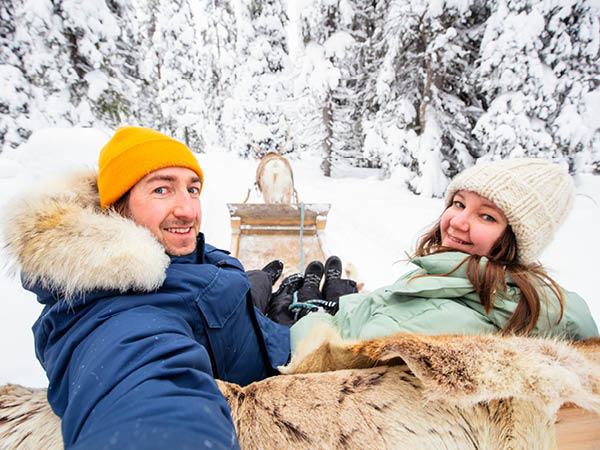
[425,86]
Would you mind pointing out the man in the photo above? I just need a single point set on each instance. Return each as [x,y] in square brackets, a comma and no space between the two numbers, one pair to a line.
[140,313]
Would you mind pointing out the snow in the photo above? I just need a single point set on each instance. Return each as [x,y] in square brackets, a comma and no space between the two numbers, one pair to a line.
[372,224]
[97,83]
[338,44]
[592,109]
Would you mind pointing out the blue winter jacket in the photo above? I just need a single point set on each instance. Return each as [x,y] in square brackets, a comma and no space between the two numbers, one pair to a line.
[136,370]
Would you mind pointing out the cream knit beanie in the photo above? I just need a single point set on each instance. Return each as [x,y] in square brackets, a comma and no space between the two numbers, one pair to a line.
[534,194]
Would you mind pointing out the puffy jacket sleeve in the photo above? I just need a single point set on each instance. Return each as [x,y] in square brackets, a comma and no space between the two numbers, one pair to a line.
[136,379]
[579,321]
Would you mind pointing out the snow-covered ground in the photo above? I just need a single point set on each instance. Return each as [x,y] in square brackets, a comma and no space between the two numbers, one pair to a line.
[372,223]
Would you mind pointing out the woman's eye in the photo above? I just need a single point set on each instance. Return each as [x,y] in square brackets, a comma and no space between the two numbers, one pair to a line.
[488,218]
[459,204]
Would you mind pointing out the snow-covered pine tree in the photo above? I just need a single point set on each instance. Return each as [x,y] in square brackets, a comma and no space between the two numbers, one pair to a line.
[16,96]
[117,67]
[41,80]
[255,115]
[574,56]
[99,90]
[346,97]
[176,57]
[148,109]
[216,33]
[63,66]
[372,46]
[355,100]
[358,57]
[310,76]
[426,89]
[539,73]
[342,41]
[325,97]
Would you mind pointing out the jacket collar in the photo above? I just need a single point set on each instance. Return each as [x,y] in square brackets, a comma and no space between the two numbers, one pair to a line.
[445,262]
[196,257]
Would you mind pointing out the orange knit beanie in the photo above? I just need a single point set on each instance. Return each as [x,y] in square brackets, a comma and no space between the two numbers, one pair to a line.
[134,152]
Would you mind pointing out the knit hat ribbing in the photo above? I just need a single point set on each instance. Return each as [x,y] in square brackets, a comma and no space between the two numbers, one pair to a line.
[534,194]
[134,152]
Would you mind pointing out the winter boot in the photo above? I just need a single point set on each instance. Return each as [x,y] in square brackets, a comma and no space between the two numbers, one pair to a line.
[312,281]
[334,286]
[274,270]
[333,268]
[278,308]
[309,294]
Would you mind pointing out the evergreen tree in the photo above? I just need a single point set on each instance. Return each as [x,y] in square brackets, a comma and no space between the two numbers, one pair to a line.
[256,115]
[538,71]
[426,89]
[99,90]
[312,77]
[371,55]
[325,43]
[63,66]
[16,96]
[34,70]
[173,58]
[217,36]
[360,67]
[149,64]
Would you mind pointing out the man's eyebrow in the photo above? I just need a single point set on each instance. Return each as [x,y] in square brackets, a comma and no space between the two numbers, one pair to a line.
[171,179]
[168,178]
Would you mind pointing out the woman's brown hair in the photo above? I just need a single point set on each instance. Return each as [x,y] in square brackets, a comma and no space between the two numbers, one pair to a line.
[502,261]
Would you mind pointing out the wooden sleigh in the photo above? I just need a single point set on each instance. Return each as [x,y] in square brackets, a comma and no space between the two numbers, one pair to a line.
[577,429]
[292,233]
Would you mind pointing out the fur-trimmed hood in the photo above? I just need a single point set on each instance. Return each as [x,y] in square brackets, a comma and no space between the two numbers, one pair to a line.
[60,239]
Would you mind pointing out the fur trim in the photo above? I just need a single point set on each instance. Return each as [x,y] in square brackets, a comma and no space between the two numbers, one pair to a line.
[58,236]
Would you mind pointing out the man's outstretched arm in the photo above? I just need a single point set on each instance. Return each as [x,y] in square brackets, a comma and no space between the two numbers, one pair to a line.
[139,380]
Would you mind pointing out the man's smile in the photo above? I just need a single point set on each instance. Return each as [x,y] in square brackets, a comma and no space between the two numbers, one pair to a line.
[179,230]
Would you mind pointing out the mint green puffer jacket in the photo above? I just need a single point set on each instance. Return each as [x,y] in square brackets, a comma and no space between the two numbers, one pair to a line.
[444,305]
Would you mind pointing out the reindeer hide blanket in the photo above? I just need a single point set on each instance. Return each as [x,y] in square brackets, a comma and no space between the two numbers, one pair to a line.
[404,391]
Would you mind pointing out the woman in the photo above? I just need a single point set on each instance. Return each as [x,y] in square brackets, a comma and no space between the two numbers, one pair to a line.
[477,266]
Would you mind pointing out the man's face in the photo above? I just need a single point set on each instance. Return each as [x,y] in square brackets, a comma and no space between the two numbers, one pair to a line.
[167,202]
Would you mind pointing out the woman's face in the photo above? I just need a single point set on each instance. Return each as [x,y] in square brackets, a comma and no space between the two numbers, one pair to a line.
[472,224]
